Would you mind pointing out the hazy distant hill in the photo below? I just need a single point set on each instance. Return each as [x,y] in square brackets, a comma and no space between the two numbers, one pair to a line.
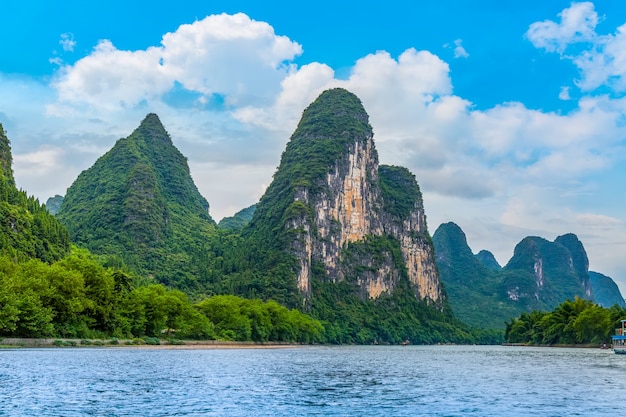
[475,291]
[540,275]
[138,201]
[486,258]
[605,290]
[238,220]
[53,204]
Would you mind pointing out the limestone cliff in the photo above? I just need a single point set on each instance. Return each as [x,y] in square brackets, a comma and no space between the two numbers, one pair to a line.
[344,217]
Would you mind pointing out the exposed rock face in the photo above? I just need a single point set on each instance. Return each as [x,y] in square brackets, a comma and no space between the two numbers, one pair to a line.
[346,215]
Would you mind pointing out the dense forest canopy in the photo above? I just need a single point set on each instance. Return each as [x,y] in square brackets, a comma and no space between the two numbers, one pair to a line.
[572,322]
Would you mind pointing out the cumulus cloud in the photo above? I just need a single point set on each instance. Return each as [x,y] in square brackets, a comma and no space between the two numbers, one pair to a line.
[601,59]
[227,89]
[578,23]
[236,57]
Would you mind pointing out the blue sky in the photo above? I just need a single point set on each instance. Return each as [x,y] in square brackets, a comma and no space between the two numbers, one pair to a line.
[512,115]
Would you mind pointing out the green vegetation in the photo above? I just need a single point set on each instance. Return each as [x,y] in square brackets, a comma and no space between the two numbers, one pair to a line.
[27,230]
[390,319]
[138,202]
[539,276]
[77,297]
[571,322]
[474,290]
[564,273]
[399,189]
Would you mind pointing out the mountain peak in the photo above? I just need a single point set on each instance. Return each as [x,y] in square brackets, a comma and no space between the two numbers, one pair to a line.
[139,200]
[336,113]
[151,129]
[342,217]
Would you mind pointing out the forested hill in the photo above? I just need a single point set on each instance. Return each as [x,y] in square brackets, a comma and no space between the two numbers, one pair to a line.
[27,230]
[341,237]
[476,292]
[139,202]
[540,275]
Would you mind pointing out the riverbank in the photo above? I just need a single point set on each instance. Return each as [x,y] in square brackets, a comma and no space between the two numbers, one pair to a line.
[152,343]
[577,346]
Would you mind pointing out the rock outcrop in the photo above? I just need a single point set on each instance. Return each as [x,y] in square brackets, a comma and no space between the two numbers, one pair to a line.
[342,216]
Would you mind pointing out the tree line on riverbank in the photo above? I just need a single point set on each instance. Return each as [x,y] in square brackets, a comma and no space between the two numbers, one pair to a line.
[572,322]
[78,297]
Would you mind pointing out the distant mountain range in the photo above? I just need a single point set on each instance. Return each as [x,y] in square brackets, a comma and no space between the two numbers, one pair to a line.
[540,275]
[336,234]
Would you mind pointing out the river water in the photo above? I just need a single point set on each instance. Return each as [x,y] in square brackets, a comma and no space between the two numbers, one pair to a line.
[324,381]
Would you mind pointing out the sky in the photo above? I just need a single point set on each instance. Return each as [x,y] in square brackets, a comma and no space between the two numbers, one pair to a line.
[511,115]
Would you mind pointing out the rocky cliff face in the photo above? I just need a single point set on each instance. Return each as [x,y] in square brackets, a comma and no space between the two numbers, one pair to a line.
[344,216]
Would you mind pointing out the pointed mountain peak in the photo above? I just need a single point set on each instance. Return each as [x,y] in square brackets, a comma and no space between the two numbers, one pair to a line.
[486,258]
[451,243]
[151,129]
[336,113]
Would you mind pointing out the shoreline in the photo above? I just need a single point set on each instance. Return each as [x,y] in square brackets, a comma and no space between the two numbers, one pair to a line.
[16,343]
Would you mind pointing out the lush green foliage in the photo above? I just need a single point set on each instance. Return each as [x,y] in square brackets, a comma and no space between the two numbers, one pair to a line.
[242,319]
[390,319]
[139,202]
[473,289]
[563,271]
[78,297]
[486,258]
[571,322]
[399,189]
[484,295]
[27,230]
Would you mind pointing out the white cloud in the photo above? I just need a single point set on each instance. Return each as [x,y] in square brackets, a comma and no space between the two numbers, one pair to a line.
[459,50]
[67,42]
[564,94]
[602,60]
[578,23]
[233,56]
[598,220]
[501,173]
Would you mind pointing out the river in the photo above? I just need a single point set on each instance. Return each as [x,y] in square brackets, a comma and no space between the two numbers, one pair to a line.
[324,381]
